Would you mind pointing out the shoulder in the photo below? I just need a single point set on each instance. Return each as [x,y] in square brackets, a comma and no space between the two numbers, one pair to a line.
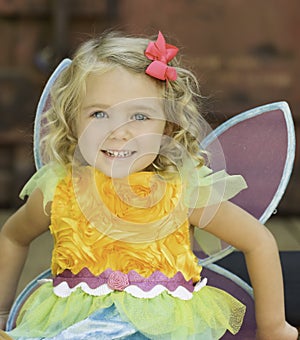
[208,188]
[44,182]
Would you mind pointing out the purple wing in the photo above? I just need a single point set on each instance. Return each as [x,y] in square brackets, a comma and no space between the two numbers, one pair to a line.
[258,144]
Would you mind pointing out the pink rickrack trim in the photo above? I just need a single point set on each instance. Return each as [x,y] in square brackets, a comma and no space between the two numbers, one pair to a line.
[117,280]
[161,53]
[132,283]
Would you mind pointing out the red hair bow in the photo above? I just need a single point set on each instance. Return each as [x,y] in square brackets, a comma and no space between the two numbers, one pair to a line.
[161,53]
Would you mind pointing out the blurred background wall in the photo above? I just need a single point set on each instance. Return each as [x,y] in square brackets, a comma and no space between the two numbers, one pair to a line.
[245,54]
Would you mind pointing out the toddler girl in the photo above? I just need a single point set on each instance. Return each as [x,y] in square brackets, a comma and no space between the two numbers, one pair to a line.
[124,180]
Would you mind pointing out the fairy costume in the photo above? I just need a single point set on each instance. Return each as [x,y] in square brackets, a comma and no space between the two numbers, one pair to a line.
[106,286]
[108,280]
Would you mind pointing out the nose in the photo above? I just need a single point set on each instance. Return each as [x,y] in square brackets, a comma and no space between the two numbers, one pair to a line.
[121,133]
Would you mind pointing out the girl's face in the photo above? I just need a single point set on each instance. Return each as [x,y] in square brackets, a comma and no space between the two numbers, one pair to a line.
[122,122]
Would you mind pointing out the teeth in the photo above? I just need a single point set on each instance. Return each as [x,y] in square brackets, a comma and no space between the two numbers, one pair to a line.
[119,154]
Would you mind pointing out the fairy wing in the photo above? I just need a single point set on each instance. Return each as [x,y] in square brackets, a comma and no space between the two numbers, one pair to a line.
[40,123]
[258,144]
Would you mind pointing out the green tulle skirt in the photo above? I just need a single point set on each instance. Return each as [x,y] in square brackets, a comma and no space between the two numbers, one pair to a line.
[207,315]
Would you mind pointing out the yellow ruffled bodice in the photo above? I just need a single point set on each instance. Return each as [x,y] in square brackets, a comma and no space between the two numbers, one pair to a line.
[135,224]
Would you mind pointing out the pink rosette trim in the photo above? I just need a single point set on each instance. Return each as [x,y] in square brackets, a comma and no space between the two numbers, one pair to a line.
[118,280]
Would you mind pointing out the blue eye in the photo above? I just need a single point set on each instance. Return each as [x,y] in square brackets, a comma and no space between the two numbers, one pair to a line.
[99,114]
[140,116]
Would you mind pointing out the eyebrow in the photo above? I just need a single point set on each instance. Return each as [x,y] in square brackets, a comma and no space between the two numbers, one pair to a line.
[143,107]
[135,106]
[96,105]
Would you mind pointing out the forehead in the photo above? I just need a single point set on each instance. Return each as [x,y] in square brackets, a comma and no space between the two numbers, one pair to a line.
[119,85]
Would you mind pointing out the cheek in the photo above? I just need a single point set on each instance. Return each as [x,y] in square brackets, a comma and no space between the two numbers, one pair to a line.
[148,142]
[93,133]
[152,136]
[90,141]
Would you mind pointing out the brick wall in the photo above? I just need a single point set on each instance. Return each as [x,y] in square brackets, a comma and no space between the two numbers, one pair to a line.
[35,35]
[245,53]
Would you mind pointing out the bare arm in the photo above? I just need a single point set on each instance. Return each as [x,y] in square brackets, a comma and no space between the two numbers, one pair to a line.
[15,237]
[241,230]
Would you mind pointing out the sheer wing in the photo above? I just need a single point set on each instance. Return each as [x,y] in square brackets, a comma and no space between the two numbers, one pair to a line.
[259,144]
[40,124]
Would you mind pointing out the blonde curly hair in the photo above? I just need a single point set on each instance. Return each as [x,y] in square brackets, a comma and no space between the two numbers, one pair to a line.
[182,97]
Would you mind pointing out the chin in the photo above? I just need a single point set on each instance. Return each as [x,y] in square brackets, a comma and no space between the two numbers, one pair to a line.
[123,168]
[113,173]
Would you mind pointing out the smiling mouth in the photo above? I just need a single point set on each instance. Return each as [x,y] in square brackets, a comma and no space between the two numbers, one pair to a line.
[118,154]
